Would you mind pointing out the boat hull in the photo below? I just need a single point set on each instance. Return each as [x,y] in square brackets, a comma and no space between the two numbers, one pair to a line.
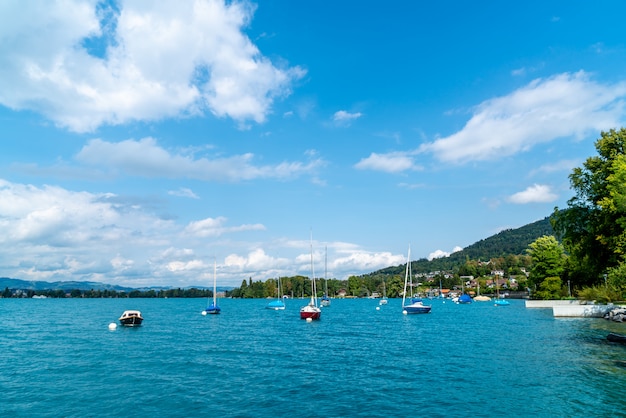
[311,315]
[310,312]
[422,309]
[131,322]
[212,310]
[131,319]
[276,306]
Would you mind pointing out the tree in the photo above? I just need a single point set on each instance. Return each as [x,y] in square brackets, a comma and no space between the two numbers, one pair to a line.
[593,227]
[548,261]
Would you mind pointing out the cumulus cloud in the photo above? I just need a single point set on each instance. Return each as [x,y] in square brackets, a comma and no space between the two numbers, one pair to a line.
[83,65]
[537,193]
[183,192]
[392,162]
[146,158]
[342,116]
[441,253]
[565,105]
[215,227]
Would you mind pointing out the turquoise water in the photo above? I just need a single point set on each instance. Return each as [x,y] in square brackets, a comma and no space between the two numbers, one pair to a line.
[59,359]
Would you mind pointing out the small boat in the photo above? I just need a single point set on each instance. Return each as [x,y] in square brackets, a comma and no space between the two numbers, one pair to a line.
[383,301]
[616,338]
[465,299]
[311,311]
[325,299]
[213,308]
[416,306]
[501,302]
[131,319]
[278,304]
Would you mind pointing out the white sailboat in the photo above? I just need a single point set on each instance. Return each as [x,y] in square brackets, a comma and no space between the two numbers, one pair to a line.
[383,301]
[415,305]
[213,308]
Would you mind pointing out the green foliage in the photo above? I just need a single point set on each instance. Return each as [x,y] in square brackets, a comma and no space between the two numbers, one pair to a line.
[599,293]
[548,259]
[550,288]
[593,227]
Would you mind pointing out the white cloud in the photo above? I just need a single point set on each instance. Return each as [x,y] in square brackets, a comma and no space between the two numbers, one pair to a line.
[343,116]
[183,192]
[566,105]
[441,253]
[158,59]
[392,162]
[147,159]
[215,227]
[537,193]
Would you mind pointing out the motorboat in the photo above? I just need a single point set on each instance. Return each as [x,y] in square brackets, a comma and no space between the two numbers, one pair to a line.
[417,307]
[131,318]
[412,304]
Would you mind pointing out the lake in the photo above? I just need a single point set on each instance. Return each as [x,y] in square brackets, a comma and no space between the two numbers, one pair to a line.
[59,359]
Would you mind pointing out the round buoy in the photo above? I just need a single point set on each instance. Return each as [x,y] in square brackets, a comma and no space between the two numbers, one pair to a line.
[378,308]
[112,326]
[204,313]
[309,320]
[404,312]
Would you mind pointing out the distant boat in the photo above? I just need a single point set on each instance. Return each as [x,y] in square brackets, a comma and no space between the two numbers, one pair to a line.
[311,311]
[325,299]
[383,301]
[278,304]
[131,318]
[213,308]
[416,306]
[464,299]
[499,301]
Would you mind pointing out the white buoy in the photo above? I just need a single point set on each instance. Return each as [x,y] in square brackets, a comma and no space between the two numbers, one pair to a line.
[112,326]
[204,313]
[309,320]
[404,312]
[378,308]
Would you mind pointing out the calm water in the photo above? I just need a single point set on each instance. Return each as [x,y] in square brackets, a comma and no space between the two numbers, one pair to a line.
[60,359]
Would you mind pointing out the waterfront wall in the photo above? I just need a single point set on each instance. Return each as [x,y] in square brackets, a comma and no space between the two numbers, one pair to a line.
[551,303]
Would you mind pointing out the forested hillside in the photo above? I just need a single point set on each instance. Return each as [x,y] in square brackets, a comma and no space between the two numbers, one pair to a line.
[506,242]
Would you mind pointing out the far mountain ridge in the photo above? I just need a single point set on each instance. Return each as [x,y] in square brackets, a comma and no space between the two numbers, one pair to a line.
[506,242]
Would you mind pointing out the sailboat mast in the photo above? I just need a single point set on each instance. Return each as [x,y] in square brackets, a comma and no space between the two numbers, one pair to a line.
[214,282]
[406,275]
[313,288]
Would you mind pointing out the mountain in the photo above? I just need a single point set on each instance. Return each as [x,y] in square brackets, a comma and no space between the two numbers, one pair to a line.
[68,286]
[506,242]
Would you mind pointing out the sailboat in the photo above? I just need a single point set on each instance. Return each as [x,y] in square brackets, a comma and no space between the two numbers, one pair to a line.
[278,304]
[498,301]
[325,299]
[213,309]
[311,311]
[383,301]
[415,305]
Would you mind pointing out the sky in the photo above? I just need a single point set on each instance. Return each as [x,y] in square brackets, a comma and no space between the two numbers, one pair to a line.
[142,142]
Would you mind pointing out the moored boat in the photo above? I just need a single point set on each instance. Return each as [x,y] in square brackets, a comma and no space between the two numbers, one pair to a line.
[616,338]
[416,306]
[131,318]
[311,311]
[213,308]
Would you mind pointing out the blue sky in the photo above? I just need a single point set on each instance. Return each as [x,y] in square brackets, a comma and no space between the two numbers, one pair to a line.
[141,141]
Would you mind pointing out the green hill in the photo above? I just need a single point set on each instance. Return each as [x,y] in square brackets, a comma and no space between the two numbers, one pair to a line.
[506,242]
